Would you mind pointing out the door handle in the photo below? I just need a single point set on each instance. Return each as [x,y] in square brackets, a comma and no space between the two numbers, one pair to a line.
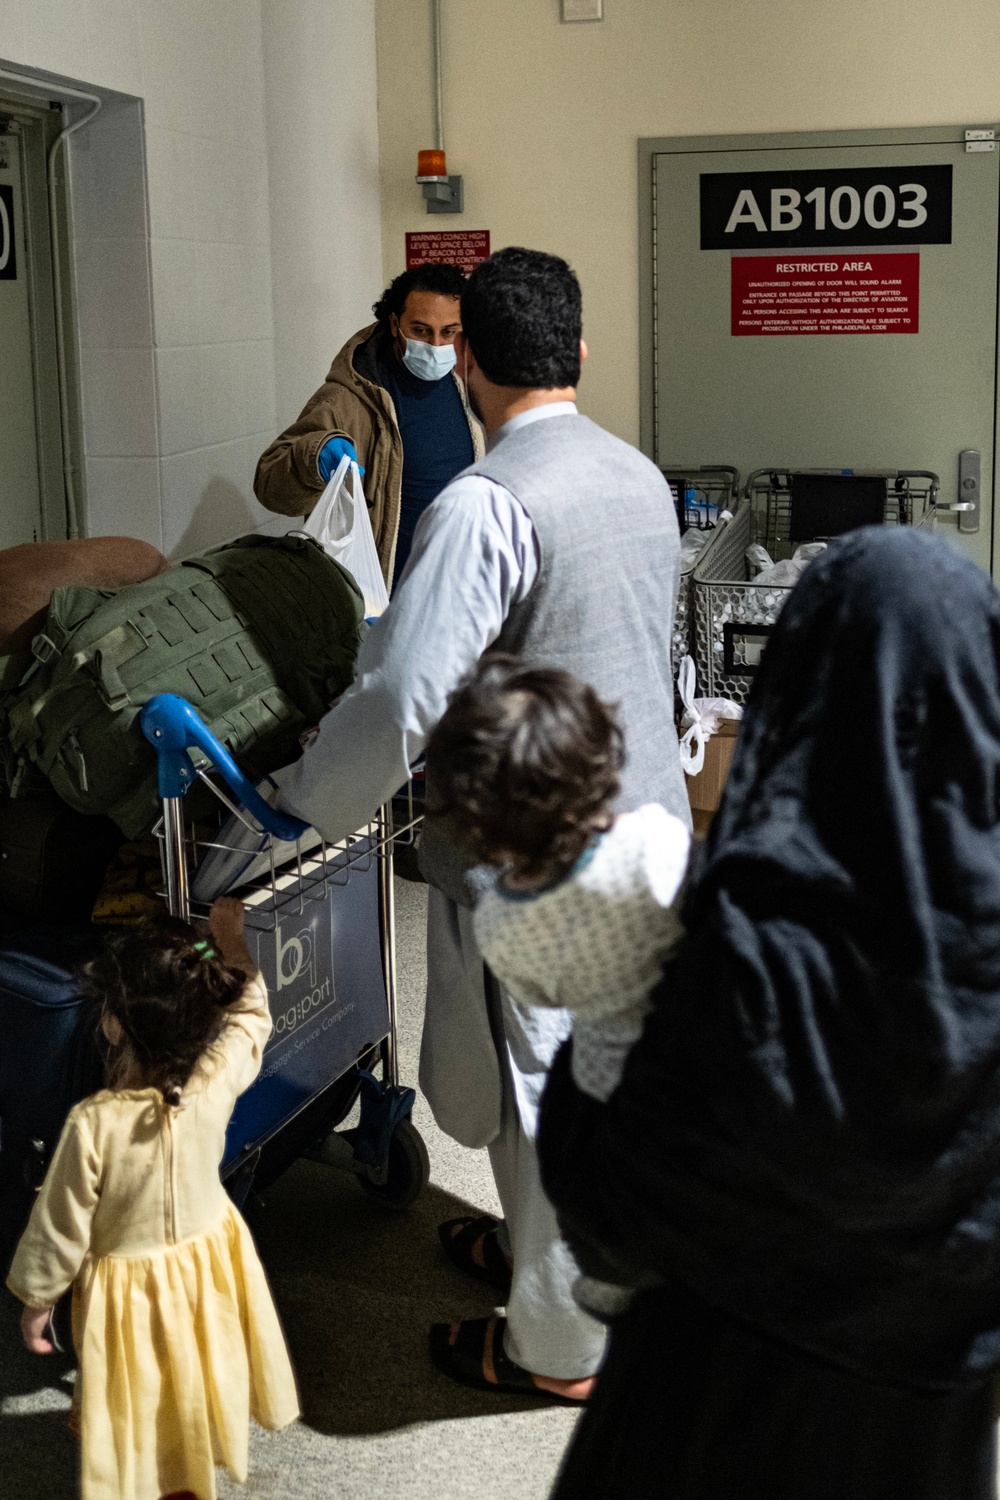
[969,489]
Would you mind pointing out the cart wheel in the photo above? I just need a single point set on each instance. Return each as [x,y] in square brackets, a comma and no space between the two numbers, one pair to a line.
[409,1169]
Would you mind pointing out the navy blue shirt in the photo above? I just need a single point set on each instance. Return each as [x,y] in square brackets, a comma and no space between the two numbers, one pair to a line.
[437,443]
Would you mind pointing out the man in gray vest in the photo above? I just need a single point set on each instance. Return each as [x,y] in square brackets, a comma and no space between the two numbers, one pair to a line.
[560,545]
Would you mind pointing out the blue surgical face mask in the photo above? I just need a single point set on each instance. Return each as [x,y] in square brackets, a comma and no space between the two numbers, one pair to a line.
[429,361]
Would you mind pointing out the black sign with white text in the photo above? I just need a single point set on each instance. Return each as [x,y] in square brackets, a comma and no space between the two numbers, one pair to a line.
[8,260]
[843,206]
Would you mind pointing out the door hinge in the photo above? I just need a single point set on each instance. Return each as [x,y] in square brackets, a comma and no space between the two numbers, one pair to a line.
[980,140]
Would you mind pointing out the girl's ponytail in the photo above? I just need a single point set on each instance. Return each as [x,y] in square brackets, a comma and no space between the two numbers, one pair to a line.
[167,991]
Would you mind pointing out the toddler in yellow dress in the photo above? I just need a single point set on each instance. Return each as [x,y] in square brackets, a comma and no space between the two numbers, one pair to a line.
[177,1338]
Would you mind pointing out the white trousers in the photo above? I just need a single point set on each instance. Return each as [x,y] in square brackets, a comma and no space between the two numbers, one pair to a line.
[483,1064]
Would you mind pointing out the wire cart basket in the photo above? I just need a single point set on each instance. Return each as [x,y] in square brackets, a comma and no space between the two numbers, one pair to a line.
[702,493]
[732,616]
[320,924]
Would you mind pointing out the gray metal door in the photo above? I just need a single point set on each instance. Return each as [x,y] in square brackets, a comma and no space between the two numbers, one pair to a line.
[20,496]
[840,314]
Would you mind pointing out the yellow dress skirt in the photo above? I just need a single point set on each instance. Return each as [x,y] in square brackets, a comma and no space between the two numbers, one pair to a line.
[177,1348]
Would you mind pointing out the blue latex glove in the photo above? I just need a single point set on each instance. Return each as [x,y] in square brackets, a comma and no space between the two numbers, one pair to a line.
[329,456]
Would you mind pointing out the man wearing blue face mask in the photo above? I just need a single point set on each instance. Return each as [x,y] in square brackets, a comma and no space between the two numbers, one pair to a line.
[393,402]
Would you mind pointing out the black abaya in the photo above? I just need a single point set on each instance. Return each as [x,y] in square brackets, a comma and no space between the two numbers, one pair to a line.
[692,1405]
[808,1135]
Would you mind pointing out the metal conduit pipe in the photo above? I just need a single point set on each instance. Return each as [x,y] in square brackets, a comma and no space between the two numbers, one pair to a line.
[60,91]
[438,95]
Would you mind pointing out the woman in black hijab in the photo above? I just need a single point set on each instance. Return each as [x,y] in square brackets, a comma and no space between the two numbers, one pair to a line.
[802,1162]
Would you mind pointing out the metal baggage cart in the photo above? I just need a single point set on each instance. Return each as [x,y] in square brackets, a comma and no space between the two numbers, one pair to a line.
[701,494]
[320,924]
[732,615]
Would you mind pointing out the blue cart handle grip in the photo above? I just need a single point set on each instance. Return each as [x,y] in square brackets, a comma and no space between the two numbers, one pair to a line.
[173,727]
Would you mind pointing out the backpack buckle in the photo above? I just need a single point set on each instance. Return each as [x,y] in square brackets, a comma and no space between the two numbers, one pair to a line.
[43,649]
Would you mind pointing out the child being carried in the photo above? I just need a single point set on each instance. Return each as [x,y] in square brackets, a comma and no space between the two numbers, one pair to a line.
[523,770]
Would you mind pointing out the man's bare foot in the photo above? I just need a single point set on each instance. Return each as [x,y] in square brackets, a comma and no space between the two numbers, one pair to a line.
[573,1390]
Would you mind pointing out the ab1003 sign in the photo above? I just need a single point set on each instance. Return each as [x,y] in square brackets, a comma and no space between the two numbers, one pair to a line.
[867,206]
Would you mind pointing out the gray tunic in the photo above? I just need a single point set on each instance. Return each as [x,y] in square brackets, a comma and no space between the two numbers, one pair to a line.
[602,605]
[478,557]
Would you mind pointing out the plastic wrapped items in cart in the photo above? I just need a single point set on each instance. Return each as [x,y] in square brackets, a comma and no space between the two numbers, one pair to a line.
[751,609]
[757,558]
[692,541]
[785,574]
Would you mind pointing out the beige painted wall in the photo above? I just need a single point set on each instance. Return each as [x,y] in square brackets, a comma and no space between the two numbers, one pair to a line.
[322,153]
[542,118]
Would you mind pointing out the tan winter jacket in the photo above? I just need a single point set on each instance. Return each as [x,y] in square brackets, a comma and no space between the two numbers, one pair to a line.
[351,404]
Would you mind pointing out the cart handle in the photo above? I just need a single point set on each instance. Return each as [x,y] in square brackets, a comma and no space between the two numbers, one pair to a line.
[693,469]
[173,727]
[891,476]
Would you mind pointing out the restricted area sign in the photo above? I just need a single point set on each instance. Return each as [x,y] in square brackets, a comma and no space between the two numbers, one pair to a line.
[465,248]
[824,293]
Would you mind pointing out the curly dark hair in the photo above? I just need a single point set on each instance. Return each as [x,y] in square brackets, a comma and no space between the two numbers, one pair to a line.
[524,765]
[446,280]
[168,996]
[522,314]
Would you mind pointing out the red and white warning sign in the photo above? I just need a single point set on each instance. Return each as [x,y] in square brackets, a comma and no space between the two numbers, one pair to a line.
[824,293]
[464,248]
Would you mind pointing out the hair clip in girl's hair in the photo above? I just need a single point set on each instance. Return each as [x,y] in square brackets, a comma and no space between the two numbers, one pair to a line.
[204,950]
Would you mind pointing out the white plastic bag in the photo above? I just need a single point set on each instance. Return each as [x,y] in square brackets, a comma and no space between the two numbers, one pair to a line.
[702,717]
[786,574]
[692,542]
[758,558]
[341,525]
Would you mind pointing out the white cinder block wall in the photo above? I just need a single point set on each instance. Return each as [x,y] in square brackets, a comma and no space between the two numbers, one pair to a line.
[261,237]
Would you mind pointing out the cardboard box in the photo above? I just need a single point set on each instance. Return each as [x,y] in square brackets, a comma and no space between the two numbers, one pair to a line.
[705,789]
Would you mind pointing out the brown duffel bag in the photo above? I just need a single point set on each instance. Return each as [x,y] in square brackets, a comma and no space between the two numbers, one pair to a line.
[30,574]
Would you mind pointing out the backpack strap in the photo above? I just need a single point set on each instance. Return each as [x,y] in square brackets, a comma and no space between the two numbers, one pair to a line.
[103,659]
[106,656]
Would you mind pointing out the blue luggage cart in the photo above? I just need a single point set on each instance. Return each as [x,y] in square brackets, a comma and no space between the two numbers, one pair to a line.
[320,924]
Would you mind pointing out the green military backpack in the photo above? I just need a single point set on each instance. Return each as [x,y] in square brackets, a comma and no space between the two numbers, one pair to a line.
[260,635]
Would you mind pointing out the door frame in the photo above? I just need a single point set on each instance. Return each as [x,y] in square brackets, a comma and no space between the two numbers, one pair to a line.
[650,147]
[37,128]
